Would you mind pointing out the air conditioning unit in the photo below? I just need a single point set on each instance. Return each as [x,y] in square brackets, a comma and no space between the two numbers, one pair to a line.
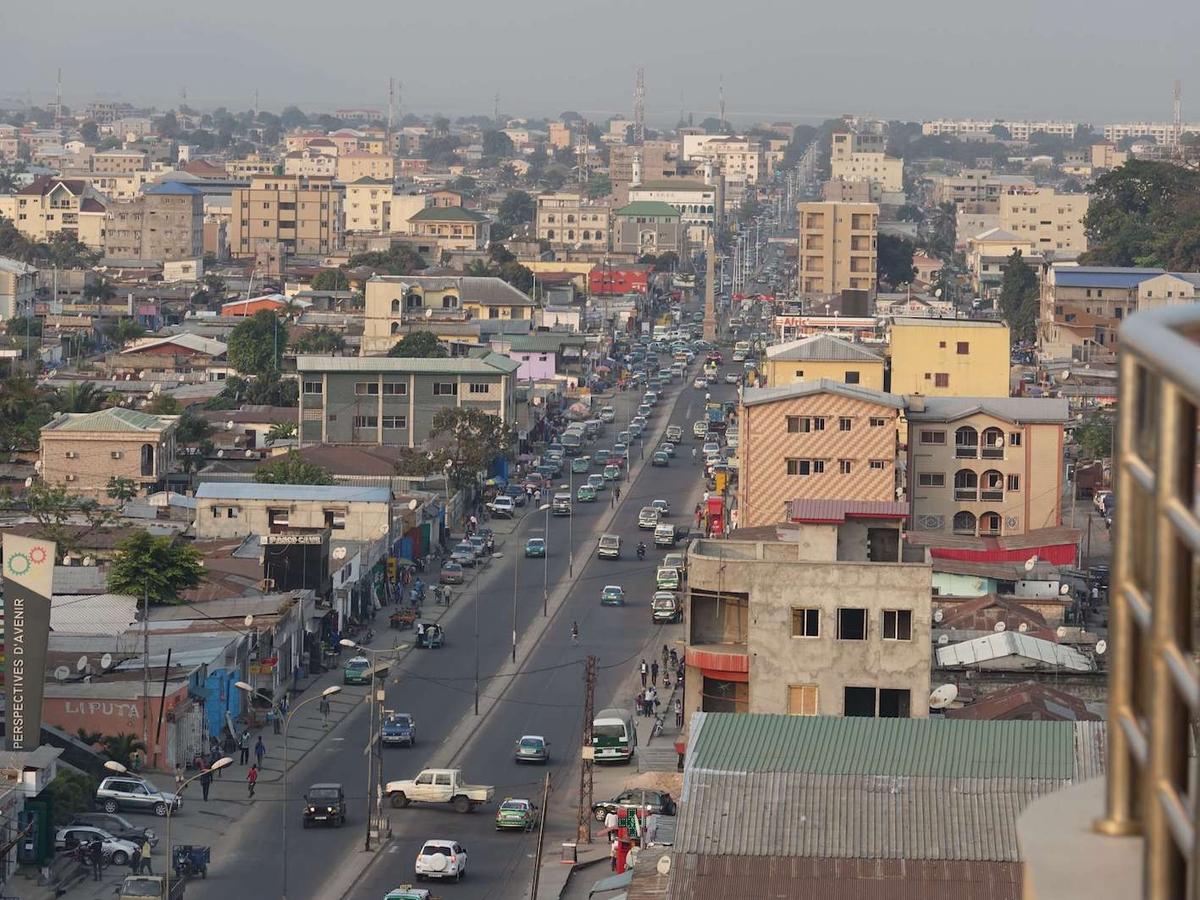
[71,476]
[71,454]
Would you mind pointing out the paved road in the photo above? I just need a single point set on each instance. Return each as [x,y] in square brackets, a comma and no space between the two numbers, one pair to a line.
[438,688]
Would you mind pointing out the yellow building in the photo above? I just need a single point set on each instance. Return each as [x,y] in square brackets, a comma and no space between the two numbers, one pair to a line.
[823,357]
[837,247]
[249,166]
[368,206]
[353,166]
[560,136]
[950,357]
[988,254]
[49,205]
[302,215]
[449,228]
[1053,222]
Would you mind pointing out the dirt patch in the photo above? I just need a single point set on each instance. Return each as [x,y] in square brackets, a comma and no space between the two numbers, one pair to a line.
[672,782]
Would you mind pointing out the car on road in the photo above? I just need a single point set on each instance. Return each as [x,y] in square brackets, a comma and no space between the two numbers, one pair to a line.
[700,429]
[441,859]
[479,544]
[619,451]
[399,728]
[612,473]
[502,507]
[612,595]
[660,459]
[130,792]
[675,560]
[430,636]
[654,802]
[117,826]
[731,440]
[535,547]
[668,448]
[648,518]
[357,670]
[674,434]
[699,382]
[517,814]
[517,492]
[666,578]
[580,464]
[636,428]
[532,748]
[622,437]
[607,414]
[116,851]
[609,546]
[732,378]
[561,504]
[585,494]
[451,573]
[663,507]
[325,804]
[665,608]
[600,457]
[408,892]
[596,482]
[463,554]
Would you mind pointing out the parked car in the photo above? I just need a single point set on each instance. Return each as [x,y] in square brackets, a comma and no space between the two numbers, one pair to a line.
[532,748]
[116,851]
[517,492]
[654,802]
[463,554]
[399,728]
[325,804]
[515,814]
[118,792]
[451,573]
[441,859]
[117,826]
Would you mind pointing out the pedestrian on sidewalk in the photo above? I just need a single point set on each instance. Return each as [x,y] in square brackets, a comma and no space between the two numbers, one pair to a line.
[95,855]
[178,777]
[135,861]
[251,781]
[274,717]
[640,702]
[260,750]
[212,758]
[612,853]
[147,862]
[323,706]
[206,782]
[654,673]
[678,713]
[644,670]
[617,494]
[664,656]
[611,822]
[244,745]
[651,701]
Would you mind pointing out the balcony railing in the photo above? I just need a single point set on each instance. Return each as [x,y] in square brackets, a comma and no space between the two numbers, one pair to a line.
[966,451]
[992,452]
[966,494]
[992,494]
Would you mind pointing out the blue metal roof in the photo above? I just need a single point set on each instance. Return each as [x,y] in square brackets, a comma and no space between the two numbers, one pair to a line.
[1102,276]
[255,491]
[170,187]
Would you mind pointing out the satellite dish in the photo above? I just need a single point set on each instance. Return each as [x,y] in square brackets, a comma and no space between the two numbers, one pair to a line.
[383,527]
[249,454]
[1023,627]
[339,553]
[413,504]
[88,561]
[938,615]
[942,696]
[998,442]
[1101,647]
[81,664]
[1064,589]
[1000,626]
[220,454]
[1030,563]
[28,482]
[62,673]
[663,865]
[943,640]
[429,313]
[229,425]
[248,621]
[106,661]
[1060,632]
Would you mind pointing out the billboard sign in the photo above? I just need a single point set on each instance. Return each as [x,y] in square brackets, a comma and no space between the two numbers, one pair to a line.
[28,585]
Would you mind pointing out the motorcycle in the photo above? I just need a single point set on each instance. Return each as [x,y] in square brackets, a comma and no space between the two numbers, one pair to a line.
[641,552]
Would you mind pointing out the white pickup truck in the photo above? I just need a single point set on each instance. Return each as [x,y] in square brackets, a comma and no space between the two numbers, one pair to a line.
[439,786]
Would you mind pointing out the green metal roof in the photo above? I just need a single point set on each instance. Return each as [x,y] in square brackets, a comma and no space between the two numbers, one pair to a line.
[447,214]
[929,747]
[648,208]
[114,419]
[544,343]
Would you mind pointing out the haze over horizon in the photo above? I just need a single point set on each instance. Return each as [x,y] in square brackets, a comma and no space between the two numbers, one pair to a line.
[1027,60]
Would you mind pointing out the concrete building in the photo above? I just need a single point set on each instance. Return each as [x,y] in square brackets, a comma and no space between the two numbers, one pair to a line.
[559,136]
[310,162]
[1053,222]
[839,190]
[118,162]
[18,288]
[353,166]
[822,357]
[165,223]
[242,509]
[986,466]
[82,451]
[837,247]
[826,620]
[970,221]
[815,440]
[569,221]
[301,215]
[851,160]
[1018,130]
[392,401]
[977,189]
[1160,132]
[49,205]
[368,206]
[988,254]
[950,357]
[647,227]
[438,228]
[699,204]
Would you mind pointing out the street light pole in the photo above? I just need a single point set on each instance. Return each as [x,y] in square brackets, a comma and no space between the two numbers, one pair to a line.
[546,568]
[516,568]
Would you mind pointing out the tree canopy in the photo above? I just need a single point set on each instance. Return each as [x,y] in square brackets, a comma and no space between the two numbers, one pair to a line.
[255,345]
[399,260]
[1145,213]
[1094,435]
[292,469]
[157,568]
[321,339]
[895,259]
[497,145]
[517,208]
[470,440]
[1019,298]
[419,344]
[330,280]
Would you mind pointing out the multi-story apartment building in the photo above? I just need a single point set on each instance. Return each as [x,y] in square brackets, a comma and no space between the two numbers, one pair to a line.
[630,164]
[118,162]
[1053,222]
[1107,156]
[10,142]
[49,205]
[986,466]
[353,166]
[837,247]
[978,189]
[647,227]
[861,157]
[393,302]
[822,357]
[838,190]
[301,215]
[243,509]
[815,440]
[988,254]
[18,288]
[248,166]
[438,228]
[569,221]
[390,401]
[949,357]
[740,161]
[310,162]
[369,206]
[1018,130]
[826,619]
[1160,132]
[699,204]
[165,223]
[82,451]
[559,136]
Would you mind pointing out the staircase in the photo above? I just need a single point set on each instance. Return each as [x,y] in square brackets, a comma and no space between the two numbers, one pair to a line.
[658,757]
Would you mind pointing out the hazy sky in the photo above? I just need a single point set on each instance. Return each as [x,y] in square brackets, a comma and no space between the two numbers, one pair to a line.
[779,59]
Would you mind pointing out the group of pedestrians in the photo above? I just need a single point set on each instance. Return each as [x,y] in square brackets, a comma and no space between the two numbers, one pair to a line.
[647,701]
[244,747]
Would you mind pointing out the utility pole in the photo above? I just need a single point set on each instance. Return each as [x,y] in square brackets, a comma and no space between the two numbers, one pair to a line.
[639,107]
[537,857]
[146,667]
[496,109]
[584,835]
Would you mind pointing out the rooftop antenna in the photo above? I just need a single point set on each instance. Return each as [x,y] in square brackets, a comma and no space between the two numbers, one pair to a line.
[256,103]
[581,146]
[58,97]
[496,108]
[183,95]
[721,98]
[391,106]
[639,107]
[1177,120]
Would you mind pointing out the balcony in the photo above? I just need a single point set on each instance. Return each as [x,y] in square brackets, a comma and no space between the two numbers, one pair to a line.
[966,451]
[992,452]
[966,494]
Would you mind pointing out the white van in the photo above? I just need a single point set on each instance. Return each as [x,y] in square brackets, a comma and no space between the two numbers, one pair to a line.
[614,739]
[609,546]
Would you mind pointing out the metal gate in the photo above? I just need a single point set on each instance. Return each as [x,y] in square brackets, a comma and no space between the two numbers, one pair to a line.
[187,735]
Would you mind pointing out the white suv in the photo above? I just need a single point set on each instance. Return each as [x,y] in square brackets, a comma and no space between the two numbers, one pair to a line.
[502,507]
[442,859]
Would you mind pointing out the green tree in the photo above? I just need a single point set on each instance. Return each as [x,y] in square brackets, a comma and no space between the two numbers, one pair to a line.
[665,262]
[121,489]
[895,259]
[516,209]
[23,326]
[61,517]
[123,331]
[413,463]
[24,409]
[214,284]
[255,345]
[1019,298]
[155,568]
[321,339]
[281,431]
[79,397]
[398,260]
[497,145]
[164,405]
[1094,435]
[464,184]
[419,345]
[598,186]
[123,748]
[470,439]
[267,390]
[1145,213]
[71,792]
[191,428]
[99,291]
[89,133]
[331,280]
[519,276]
[292,469]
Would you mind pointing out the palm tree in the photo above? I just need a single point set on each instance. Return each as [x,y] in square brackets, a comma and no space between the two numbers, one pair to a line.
[121,747]
[79,397]
[478,268]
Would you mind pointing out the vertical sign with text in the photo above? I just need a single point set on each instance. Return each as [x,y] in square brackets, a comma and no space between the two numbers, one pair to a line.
[28,585]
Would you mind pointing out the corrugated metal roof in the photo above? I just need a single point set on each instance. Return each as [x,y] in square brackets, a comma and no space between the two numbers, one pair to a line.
[114,419]
[696,877]
[1013,644]
[838,510]
[1011,409]
[482,289]
[754,396]
[927,747]
[109,614]
[1102,276]
[326,493]
[186,339]
[822,347]
[492,364]
[856,816]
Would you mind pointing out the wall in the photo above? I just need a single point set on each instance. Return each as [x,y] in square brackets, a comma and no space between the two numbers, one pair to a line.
[93,464]
[785,371]
[931,349]
[365,521]
[71,707]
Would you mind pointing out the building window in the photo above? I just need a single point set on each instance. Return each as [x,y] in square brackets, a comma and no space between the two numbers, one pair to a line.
[1014,482]
[879,464]
[480,387]
[806,622]
[989,524]
[366,421]
[877,421]
[802,700]
[277,518]
[844,466]
[799,466]
[395,388]
[852,378]
[313,387]
[1014,439]
[932,479]
[966,443]
[851,624]
[335,519]
[964,523]
[445,389]
[366,388]
[233,512]
[395,423]
[941,379]
[897,624]
[799,373]
[933,437]
[845,423]
[964,348]
[805,424]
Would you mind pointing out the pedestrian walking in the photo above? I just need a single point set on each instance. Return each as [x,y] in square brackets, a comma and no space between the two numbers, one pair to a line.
[617,494]
[135,861]
[251,781]
[651,701]
[147,862]
[612,853]
[244,745]
[574,634]
[95,855]
[640,703]
[283,705]
[212,759]
[611,821]
[260,750]
[206,783]
[643,670]
[678,713]
[654,673]
[664,656]
[323,706]
[275,717]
